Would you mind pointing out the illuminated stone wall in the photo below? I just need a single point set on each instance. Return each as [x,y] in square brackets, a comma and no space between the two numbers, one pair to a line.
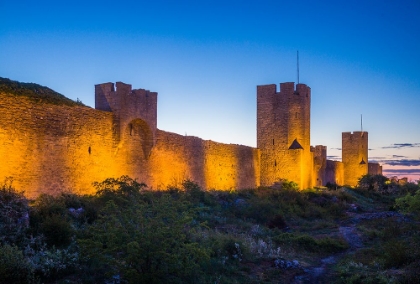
[320,164]
[354,156]
[334,172]
[213,165]
[283,134]
[50,149]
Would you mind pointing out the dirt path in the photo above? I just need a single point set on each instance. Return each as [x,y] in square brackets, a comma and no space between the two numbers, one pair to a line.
[348,230]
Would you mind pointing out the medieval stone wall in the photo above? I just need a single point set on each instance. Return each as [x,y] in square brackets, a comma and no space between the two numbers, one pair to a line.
[334,172]
[320,164]
[213,165]
[50,149]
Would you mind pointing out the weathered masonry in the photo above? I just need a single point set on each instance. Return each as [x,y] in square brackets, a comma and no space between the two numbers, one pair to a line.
[50,148]
[283,137]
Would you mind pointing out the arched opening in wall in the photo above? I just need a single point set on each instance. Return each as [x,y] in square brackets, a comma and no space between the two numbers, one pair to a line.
[138,139]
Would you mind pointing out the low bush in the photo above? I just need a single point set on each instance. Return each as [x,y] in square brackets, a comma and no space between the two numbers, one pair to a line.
[57,231]
[14,215]
[14,268]
[409,203]
[311,244]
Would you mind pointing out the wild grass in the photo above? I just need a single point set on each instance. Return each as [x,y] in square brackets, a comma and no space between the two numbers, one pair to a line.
[186,235]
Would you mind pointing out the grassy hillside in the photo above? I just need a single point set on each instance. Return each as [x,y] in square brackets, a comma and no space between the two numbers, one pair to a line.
[35,92]
[128,234]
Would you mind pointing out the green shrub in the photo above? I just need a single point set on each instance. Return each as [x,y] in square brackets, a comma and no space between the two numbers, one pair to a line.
[373,182]
[409,203]
[122,191]
[232,249]
[14,268]
[142,237]
[57,231]
[46,205]
[278,222]
[14,215]
[395,254]
[310,244]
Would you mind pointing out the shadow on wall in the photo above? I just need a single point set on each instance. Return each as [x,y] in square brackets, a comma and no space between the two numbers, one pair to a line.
[138,135]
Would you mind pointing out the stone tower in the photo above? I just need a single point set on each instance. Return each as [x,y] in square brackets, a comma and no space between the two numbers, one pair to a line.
[283,133]
[134,124]
[355,156]
[135,111]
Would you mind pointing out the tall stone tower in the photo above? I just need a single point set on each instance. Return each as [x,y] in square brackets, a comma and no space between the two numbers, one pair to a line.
[283,133]
[355,156]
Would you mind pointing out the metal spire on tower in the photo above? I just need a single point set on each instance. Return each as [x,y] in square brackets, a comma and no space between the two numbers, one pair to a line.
[361,123]
[298,66]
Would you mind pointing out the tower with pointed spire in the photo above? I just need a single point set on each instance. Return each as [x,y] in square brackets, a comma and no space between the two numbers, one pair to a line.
[283,133]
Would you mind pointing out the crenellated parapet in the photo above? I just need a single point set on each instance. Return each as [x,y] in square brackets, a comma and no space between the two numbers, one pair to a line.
[135,111]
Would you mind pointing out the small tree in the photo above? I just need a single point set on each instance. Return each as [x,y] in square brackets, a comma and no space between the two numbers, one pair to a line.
[373,182]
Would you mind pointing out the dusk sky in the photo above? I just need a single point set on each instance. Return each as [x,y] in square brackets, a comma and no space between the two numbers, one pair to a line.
[205,59]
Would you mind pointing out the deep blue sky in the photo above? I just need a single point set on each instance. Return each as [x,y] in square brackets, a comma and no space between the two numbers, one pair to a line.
[205,59]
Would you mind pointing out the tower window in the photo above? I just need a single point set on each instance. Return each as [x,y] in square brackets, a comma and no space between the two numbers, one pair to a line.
[89,150]
[273,141]
[275,163]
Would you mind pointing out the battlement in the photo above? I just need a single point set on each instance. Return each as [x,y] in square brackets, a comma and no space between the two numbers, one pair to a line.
[354,133]
[108,98]
[287,88]
[127,105]
[318,149]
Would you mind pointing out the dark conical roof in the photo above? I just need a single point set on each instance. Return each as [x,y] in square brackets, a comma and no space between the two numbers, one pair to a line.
[295,145]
